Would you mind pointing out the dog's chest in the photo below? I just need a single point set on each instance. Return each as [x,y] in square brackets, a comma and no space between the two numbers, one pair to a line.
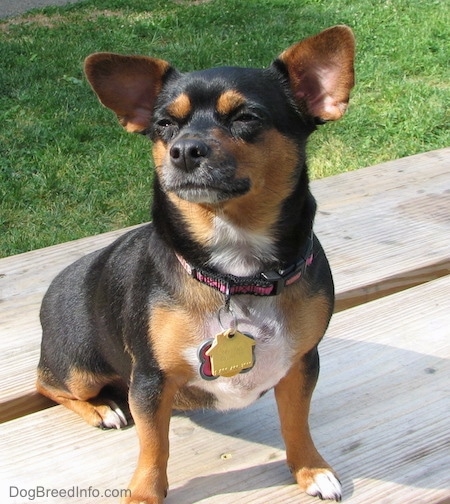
[260,318]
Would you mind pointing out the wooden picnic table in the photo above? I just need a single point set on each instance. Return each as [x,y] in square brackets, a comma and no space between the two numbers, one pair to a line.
[380,412]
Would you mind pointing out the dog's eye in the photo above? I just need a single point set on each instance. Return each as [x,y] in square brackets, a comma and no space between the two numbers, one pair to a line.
[166,129]
[246,124]
[246,117]
[165,123]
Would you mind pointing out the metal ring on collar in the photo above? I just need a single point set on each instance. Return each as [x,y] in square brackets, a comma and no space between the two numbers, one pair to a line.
[228,310]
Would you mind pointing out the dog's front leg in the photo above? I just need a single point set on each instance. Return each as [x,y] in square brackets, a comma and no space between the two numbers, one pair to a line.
[151,401]
[293,394]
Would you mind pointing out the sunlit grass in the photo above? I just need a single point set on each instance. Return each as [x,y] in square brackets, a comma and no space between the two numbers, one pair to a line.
[68,170]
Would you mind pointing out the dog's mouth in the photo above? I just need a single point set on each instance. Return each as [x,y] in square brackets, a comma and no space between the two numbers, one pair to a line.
[206,184]
[200,170]
[209,194]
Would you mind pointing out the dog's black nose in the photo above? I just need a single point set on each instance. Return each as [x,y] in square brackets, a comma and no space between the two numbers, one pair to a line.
[187,154]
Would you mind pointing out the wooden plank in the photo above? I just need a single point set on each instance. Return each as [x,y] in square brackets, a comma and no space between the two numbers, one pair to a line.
[379,415]
[384,228]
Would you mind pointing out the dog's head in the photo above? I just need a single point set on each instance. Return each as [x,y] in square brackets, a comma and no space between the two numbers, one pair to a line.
[230,138]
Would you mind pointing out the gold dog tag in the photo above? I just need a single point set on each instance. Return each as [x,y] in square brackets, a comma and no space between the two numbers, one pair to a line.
[231,353]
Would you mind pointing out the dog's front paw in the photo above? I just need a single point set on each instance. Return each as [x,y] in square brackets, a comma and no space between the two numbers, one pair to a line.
[147,489]
[321,483]
[143,498]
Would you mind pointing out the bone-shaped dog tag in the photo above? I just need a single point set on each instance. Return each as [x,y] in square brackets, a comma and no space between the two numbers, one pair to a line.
[231,353]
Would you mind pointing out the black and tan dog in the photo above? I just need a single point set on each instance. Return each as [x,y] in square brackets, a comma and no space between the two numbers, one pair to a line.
[228,292]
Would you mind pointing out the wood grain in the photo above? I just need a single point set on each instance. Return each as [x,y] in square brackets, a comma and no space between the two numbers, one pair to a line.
[379,416]
[384,228]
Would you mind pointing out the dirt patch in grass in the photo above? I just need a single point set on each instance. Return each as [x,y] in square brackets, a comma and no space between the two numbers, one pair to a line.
[106,13]
[55,20]
[41,20]
[191,2]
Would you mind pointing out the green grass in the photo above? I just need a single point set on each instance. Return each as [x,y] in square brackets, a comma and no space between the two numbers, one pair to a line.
[68,170]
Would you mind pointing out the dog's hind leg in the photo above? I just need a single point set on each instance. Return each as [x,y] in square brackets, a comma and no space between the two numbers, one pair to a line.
[80,395]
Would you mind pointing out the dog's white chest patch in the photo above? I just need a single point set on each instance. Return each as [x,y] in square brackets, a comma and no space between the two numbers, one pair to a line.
[239,250]
[260,318]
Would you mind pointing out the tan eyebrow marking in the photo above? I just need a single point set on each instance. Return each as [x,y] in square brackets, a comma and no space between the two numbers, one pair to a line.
[229,101]
[181,107]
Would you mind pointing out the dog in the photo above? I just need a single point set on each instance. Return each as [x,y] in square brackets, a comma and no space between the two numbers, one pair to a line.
[227,293]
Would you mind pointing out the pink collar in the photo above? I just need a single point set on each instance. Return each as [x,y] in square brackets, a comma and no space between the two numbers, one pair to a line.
[267,283]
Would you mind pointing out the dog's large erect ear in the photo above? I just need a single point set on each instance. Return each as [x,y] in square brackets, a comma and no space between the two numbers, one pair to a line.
[128,85]
[321,72]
